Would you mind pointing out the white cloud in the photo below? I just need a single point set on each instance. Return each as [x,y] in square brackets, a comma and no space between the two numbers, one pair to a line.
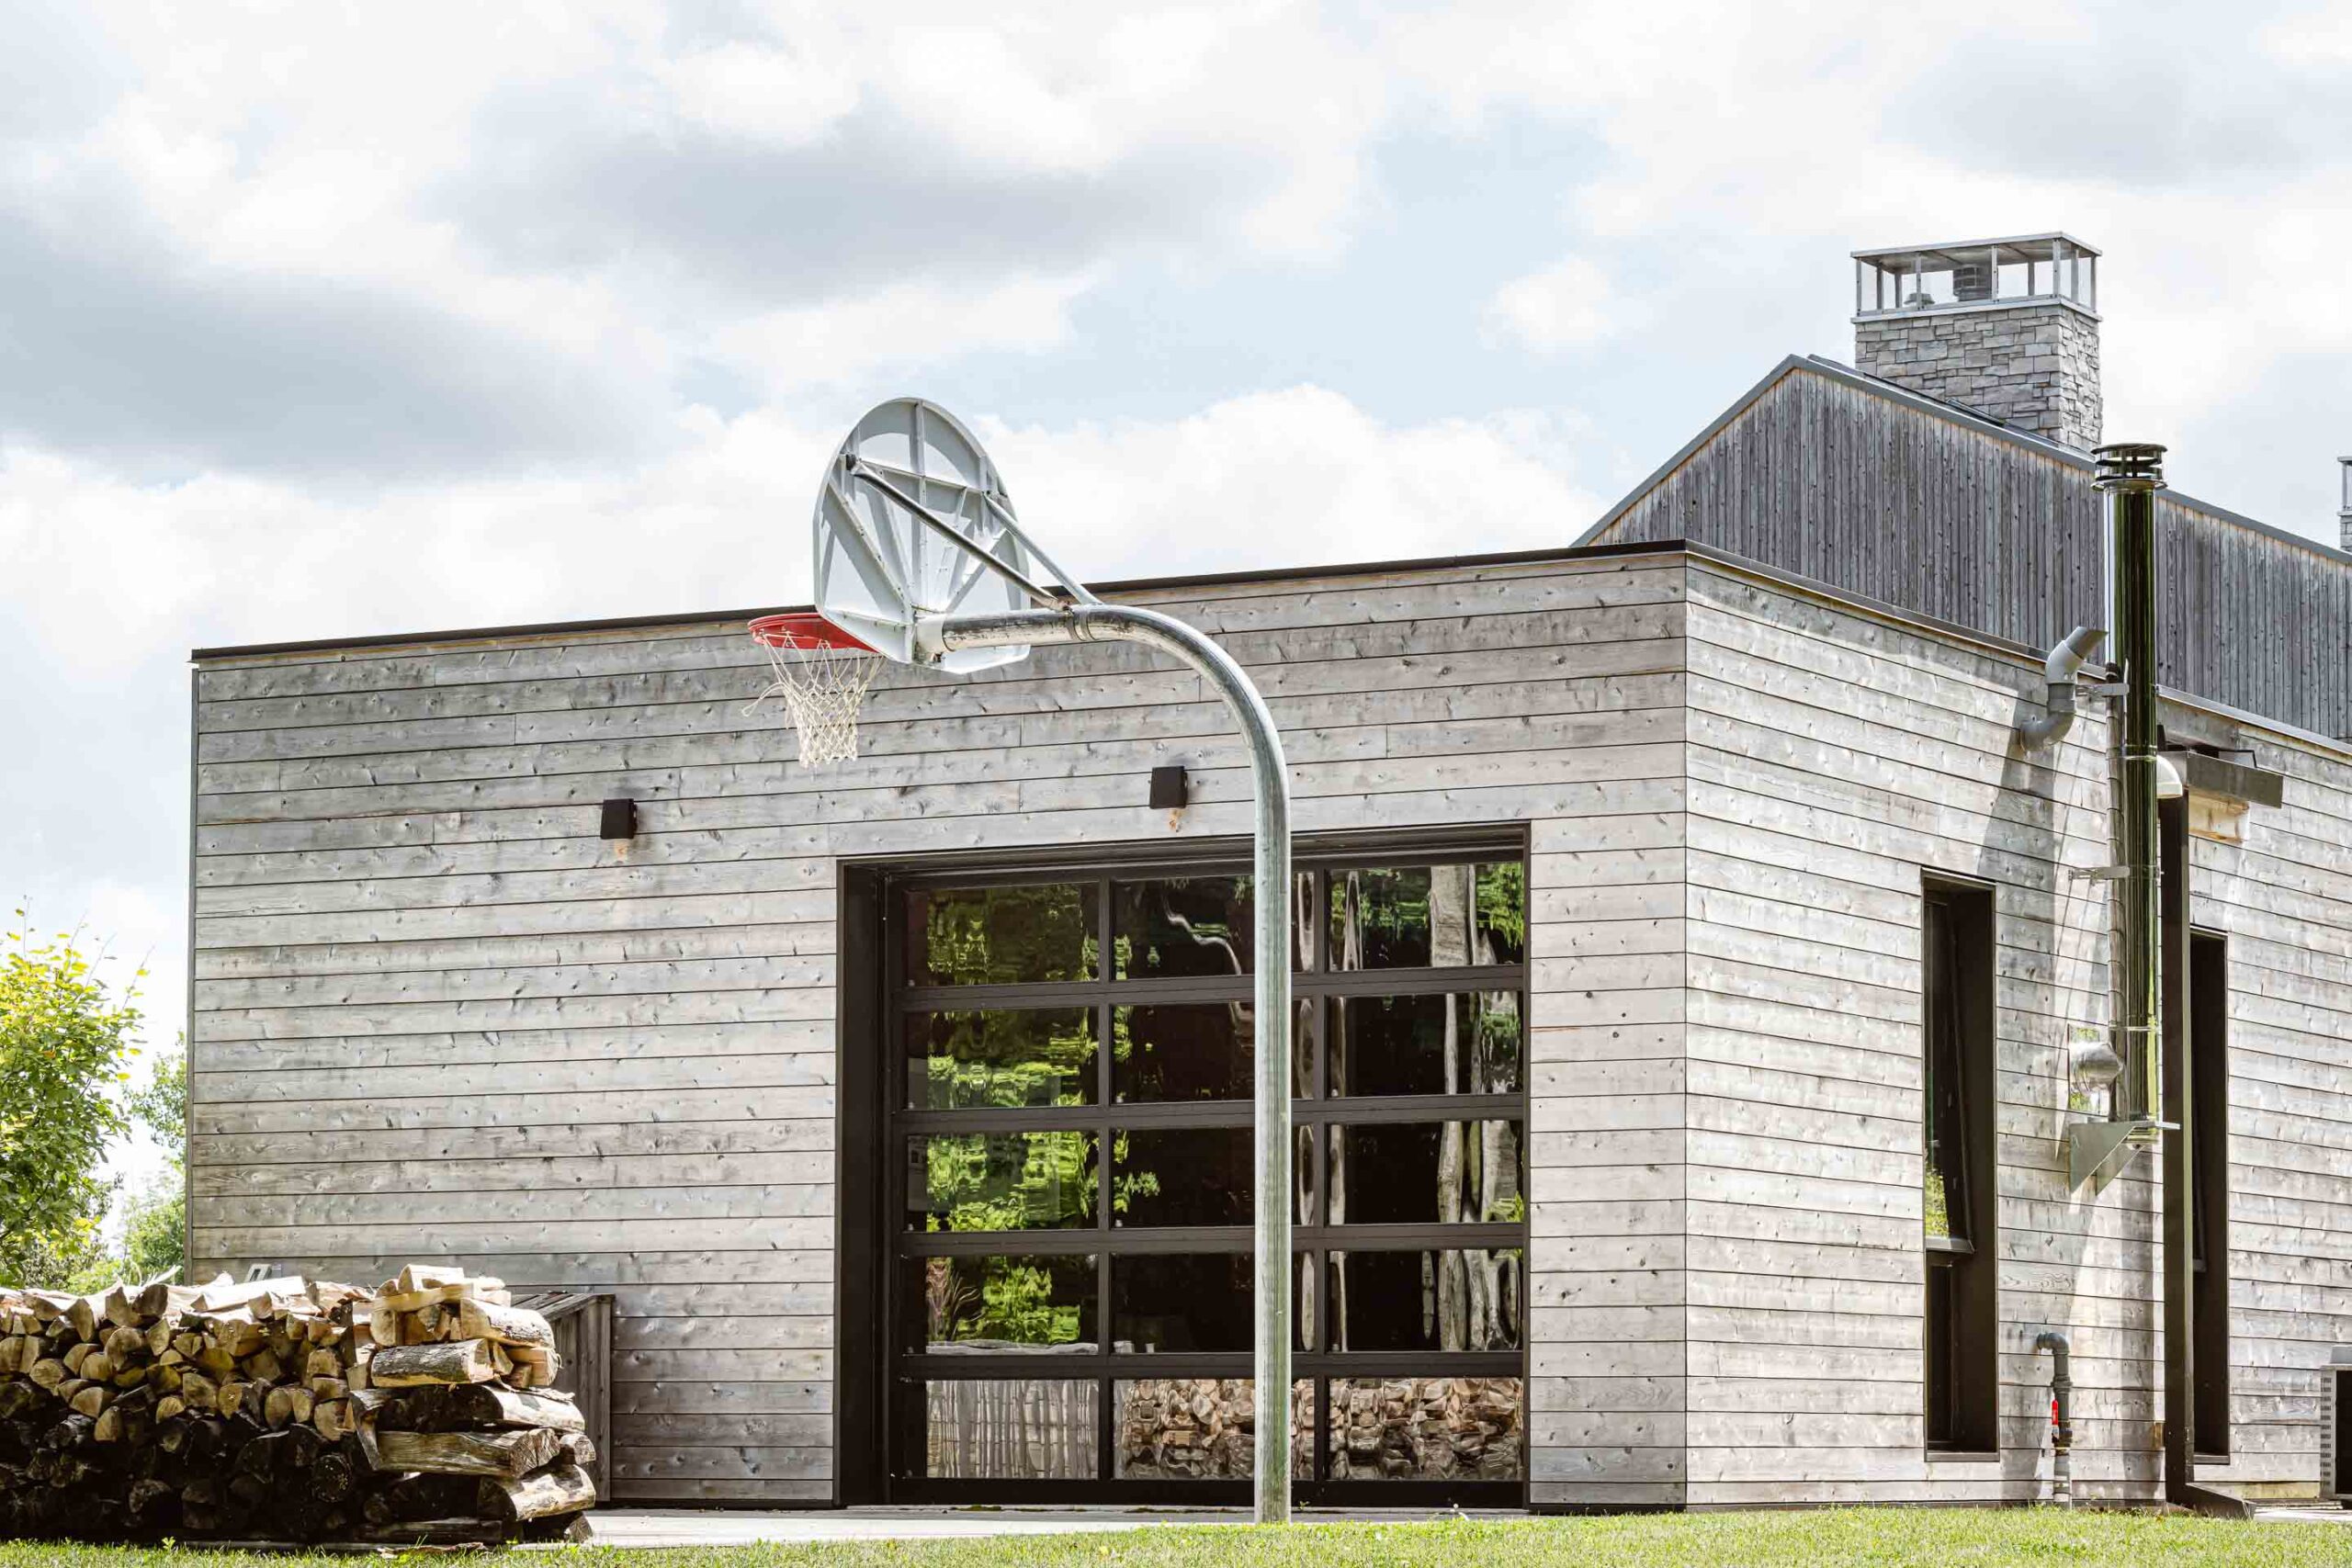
[923,324]
[788,93]
[1567,305]
[1299,477]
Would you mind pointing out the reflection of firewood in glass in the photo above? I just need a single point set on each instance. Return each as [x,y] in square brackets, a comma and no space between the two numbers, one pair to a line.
[1427,1430]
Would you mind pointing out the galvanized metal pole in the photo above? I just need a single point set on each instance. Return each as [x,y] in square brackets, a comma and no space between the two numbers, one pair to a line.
[1270,824]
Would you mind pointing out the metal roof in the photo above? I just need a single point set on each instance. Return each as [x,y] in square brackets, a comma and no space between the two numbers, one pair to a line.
[1970,250]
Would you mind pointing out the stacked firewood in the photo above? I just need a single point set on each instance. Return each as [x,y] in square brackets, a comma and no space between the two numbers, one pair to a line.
[286,1409]
[461,1414]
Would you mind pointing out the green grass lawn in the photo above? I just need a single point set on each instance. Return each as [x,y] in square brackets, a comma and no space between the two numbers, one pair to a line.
[1953,1538]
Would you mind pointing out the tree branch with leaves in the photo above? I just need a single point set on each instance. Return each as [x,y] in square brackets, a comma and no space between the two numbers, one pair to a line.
[65,1044]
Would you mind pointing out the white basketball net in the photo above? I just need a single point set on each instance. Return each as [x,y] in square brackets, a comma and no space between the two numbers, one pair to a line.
[822,688]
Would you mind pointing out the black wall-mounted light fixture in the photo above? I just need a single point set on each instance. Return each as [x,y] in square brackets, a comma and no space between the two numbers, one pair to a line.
[619,820]
[1171,792]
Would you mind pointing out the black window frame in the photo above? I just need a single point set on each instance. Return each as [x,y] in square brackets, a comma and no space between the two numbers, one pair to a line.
[2208,1144]
[1959,1007]
[895,1422]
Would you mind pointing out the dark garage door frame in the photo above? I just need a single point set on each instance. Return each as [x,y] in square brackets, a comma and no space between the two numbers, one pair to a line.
[878,1388]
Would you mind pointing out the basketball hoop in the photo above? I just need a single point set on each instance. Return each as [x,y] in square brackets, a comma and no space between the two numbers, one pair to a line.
[915,544]
[821,673]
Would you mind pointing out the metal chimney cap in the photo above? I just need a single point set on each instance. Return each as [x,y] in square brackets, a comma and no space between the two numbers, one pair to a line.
[2129,465]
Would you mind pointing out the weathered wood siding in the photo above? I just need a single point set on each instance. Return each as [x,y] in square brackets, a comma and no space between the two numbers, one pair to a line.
[1875,494]
[2284,899]
[1835,756]
[436,1016]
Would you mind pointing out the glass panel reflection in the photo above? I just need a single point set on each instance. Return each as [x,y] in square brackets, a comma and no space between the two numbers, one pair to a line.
[1428,1173]
[1198,927]
[1467,1042]
[1427,1429]
[1001,936]
[1000,1305]
[1198,1051]
[962,1061]
[1176,1303]
[1182,925]
[1181,1176]
[1199,1429]
[1461,1300]
[1416,916]
[1001,1181]
[1012,1429]
[1199,1176]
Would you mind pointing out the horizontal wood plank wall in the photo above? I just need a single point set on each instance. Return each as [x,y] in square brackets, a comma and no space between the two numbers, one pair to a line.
[436,1016]
[2284,899]
[1874,495]
[1833,757]
[1609,1217]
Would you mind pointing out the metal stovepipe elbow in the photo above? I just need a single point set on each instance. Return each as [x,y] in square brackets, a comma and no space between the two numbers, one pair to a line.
[2059,670]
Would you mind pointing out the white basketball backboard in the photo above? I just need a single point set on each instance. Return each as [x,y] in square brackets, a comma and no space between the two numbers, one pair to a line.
[882,569]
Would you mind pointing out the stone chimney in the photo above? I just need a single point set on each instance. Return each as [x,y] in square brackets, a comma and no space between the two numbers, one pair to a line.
[2008,329]
[2344,512]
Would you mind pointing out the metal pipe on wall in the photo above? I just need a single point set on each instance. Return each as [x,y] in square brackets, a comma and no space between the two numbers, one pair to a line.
[2154,981]
[2130,474]
[2062,1416]
[1097,622]
[2058,671]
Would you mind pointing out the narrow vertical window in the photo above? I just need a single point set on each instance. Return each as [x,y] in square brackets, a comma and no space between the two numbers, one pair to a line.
[2208,1146]
[1956,1016]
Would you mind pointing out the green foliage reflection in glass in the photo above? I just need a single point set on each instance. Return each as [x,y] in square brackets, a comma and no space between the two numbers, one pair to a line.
[1002,936]
[969,1060]
[1128,1184]
[1411,917]
[1008,1301]
[1007,1181]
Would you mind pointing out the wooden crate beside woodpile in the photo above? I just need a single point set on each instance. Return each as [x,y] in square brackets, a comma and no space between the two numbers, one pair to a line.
[287,1409]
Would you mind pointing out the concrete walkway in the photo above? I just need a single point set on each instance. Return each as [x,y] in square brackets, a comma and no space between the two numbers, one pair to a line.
[727,1527]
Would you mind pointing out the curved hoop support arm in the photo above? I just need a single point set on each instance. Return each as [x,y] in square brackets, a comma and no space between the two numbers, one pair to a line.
[1097,622]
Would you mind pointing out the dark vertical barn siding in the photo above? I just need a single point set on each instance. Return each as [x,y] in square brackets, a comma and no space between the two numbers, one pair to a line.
[1884,498]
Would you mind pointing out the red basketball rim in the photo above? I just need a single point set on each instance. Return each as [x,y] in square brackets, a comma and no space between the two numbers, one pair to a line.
[804,628]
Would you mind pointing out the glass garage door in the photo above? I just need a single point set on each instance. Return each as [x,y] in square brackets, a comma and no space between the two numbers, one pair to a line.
[1069,1267]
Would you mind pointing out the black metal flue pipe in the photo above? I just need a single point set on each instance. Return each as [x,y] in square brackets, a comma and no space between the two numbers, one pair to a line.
[2131,473]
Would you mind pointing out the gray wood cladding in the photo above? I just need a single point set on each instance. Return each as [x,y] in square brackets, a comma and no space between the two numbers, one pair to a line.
[1835,757]
[436,1016]
[1828,476]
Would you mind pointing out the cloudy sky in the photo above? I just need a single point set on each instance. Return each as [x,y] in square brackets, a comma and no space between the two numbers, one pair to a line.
[326,320]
